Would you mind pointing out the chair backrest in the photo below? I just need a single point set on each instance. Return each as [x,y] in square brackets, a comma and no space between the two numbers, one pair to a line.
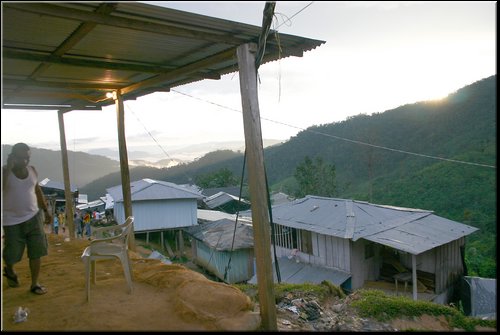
[127,230]
[117,233]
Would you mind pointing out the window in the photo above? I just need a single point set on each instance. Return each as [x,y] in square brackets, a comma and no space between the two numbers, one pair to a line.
[291,238]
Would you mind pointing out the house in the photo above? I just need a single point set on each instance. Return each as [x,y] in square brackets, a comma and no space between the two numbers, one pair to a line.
[372,242]
[96,205]
[157,205]
[223,249]
[233,190]
[226,202]
[54,193]
[206,216]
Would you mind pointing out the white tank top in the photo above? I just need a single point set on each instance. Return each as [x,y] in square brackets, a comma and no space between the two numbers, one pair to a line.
[19,200]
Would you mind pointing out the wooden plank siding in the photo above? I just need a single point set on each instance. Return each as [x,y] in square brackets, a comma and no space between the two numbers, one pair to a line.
[449,264]
[313,248]
[241,266]
[444,261]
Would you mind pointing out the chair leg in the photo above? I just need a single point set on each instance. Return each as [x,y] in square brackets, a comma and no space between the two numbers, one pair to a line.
[87,277]
[127,271]
[92,267]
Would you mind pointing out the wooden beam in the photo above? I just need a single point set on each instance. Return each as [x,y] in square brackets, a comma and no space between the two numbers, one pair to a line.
[257,184]
[122,22]
[125,174]
[65,84]
[184,70]
[68,195]
[73,61]
[74,38]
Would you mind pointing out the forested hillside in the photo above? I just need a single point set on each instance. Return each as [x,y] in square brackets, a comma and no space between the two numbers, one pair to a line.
[392,158]
[83,167]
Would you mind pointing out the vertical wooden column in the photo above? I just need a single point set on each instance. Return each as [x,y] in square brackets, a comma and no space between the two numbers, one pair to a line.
[257,184]
[125,175]
[68,196]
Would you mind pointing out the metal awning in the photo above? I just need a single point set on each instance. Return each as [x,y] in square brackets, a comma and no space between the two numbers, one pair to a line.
[69,55]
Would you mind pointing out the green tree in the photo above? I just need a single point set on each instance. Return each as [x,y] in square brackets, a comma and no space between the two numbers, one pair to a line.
[221,178]
[315,178]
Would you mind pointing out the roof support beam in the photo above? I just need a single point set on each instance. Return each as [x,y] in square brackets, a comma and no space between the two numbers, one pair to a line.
[257,184]
[68,208]
[74,38]
[60,84]
[108,65]
[125,174]
[185,70]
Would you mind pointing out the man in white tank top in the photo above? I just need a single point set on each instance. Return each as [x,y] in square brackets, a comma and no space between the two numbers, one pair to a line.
[22,218]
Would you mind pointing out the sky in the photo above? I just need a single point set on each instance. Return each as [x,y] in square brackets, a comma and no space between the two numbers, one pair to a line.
[377,56]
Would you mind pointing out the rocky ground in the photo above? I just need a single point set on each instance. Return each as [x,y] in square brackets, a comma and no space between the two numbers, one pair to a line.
[298,311]
[305,312]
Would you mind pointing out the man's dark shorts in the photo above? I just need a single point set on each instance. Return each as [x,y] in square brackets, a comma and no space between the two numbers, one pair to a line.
[29,233]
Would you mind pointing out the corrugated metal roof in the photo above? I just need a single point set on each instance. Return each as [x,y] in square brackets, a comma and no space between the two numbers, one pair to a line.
[71,53]
[210,215]
[219,234]
[55,185]
[91,204]
[406,229]
[222,198]
[298,273]
[149,189]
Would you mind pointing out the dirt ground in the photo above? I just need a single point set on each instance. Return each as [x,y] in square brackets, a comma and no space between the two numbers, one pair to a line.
[164,297]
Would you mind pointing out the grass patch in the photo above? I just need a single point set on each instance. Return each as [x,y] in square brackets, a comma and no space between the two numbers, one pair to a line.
[376,304]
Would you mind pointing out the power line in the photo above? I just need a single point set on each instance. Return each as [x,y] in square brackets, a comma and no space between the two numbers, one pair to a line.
[291,17]
[157,143]
[345,139]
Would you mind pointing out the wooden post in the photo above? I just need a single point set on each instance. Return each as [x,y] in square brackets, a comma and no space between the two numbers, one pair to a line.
[125,175]
[257,184]
[414,276]
[68,196]
[181,243]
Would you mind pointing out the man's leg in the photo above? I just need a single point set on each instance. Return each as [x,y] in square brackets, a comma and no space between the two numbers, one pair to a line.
[35,265]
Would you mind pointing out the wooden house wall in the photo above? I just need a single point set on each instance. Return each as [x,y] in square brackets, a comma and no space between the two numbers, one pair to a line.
[241,266]
[327,251]
[364,267]
[153,215]
[425,261]
[449,265]
[330,251]
[444,262]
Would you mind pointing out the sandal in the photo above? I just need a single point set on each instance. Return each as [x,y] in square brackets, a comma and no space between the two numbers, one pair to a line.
[38,289]
[11,279]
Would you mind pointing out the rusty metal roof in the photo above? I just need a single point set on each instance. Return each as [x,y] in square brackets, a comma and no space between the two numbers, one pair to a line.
[69,55]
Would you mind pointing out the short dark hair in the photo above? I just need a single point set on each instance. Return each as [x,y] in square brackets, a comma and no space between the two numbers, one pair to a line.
[20,147]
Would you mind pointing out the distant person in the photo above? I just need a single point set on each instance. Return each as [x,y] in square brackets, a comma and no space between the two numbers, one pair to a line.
[78,225]
[97,216]
[62,221]
[56,225]
[86,223]
[22,218]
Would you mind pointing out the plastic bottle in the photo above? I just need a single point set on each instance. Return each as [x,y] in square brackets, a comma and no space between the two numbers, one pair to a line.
[21,314]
